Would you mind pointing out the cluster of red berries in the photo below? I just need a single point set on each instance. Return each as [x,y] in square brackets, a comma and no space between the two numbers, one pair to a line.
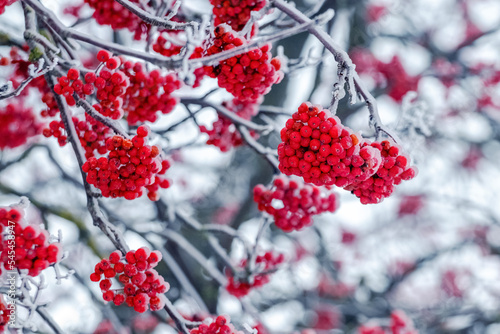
[264,264]
[17,125]
[110,12]
[5,3]
[247,76]
[224,134]
[129,167]
[293,203]
[320,149]
[392,75]
[143,98]
[234,12]
[395,168]
[143,286]
[221,325]
[399,324]
[31,247]
[110,86]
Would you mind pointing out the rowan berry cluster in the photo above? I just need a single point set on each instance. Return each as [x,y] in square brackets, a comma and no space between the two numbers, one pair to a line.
[129,167]
[5,3]
[234,12]
[110,12]
[247,76]
[399,324]
[264,264]
[221,325]
[320,149]
[17,125]
[143,286]
[293,203]
[394,169]
[144,97]
[224,134]
[33,251]
[110,86]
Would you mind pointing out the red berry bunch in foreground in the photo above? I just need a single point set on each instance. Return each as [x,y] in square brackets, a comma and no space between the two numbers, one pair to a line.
[143,286]
[293,203]
[109,85]
[17,125]
[324,152]
[221,325]
[263,264]
[319,148]
[394,169]
[5,3]
[32,250]
[224,134]
[234,12]
[145,96]
[399,324]
[129,167]
[247,76]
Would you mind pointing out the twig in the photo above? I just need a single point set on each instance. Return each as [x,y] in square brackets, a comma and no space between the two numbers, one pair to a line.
[226,113]
[154,20]
[267,153]
[48,319]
